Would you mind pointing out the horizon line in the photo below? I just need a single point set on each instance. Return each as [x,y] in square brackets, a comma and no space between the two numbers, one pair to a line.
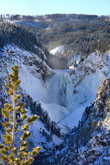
[55,14]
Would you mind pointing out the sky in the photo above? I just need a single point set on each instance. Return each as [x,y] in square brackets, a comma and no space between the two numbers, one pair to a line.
[41,7]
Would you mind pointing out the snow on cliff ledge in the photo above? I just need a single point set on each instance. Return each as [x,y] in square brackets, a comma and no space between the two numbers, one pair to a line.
[57,50]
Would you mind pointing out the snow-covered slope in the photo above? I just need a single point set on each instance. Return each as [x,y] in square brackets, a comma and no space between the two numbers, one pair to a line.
[58,50]
[63,94]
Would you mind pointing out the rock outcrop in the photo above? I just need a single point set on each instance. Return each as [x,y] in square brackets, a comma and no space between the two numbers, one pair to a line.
[89,143]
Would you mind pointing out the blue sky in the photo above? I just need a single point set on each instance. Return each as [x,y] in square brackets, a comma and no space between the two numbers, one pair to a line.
[38,7]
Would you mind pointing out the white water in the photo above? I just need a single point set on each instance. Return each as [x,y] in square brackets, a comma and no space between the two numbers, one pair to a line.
[60,89]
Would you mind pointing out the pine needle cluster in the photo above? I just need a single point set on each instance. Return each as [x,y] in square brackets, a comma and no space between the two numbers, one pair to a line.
[10,153]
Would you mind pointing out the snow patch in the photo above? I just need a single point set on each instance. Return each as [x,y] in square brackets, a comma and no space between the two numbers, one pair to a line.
[57,50]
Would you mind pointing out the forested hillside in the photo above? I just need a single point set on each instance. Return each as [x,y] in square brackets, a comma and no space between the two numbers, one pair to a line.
[63,59]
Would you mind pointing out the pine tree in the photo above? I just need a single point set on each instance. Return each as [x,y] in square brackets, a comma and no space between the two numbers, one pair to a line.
[10,153]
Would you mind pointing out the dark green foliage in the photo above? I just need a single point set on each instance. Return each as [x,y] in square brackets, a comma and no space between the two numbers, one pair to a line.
[14,34]
[80,33]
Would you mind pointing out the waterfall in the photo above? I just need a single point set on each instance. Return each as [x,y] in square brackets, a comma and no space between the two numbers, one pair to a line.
[61,88]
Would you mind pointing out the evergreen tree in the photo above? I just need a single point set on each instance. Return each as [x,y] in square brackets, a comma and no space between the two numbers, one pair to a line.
[10,153]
